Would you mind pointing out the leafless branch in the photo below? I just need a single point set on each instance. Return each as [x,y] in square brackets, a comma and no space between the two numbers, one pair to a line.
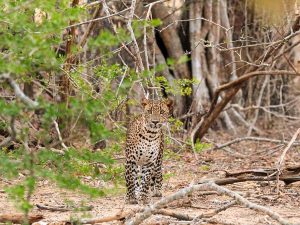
[135,44]
[96,19]
[149,210]
[59,135]
[243,201]
[19,93]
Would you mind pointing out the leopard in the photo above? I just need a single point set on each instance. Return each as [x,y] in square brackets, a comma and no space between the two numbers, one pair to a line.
[144,151]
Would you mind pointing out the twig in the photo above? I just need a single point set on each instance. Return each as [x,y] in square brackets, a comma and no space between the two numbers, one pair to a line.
[52,208]
[187,217]
[62,209]
[194,19]
[135,44]
[97,19]
[244,78]
[19,93]
[59,135]
[292,141]
[90,27]
[243,201]
[259,100]
[106,9]
[176,215]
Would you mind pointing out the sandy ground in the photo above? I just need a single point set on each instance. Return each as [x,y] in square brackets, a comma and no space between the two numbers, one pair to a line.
[184,170]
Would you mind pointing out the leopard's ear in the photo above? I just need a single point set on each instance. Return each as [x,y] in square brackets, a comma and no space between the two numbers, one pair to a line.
[144,102]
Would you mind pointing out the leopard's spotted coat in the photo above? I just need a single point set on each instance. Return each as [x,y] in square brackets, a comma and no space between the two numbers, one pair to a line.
[144,151]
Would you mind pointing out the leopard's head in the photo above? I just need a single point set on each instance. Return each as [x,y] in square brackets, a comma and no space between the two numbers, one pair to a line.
[156,112]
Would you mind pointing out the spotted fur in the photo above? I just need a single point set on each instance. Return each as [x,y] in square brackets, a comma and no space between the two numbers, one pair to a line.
[144,151]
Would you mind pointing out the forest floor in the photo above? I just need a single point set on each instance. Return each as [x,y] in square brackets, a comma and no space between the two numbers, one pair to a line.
[182,169]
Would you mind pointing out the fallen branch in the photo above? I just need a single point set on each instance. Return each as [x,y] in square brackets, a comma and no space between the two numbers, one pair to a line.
[152,209]
[62,208]
[149,210]
[260,139]
[249,204]
[180,216]
[291,170]
[19,218]
[232,180]
[52,208]
[187,217]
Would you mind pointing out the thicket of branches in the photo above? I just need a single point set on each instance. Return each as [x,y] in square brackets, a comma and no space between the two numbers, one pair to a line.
[73,72]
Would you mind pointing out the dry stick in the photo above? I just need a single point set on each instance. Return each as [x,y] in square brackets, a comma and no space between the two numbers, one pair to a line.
[61,208]
[90,27]
[181,216]
[136,46]
[106,9]
[261,139]
[59,135]
[97,19]
[259,101]
[19,218]
[52,208]
[122,215]
[281,159]
[176,215]
[149,210]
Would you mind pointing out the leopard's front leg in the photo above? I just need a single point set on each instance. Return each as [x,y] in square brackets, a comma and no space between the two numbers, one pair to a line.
[131,177]
[147,173]
[157,177]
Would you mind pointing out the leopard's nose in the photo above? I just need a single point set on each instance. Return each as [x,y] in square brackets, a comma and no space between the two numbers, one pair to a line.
[155,122]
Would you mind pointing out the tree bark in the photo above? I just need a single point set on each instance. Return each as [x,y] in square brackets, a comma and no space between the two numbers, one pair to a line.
[200,90]
[174,49]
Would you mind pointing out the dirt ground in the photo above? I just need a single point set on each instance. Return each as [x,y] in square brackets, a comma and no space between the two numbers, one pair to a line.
[185,170]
